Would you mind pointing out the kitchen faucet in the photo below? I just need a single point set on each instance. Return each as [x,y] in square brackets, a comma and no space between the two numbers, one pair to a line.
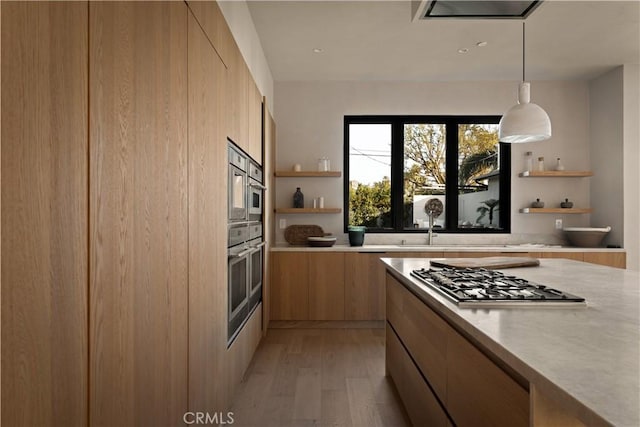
[430,237]
[433,208]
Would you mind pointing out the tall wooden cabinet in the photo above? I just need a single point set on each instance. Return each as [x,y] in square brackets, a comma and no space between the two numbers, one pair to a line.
[269,138]
[254,105]
[114,169]
[138,213]
[207,222]
[44,214]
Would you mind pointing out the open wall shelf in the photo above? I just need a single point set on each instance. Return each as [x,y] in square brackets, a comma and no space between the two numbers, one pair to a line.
[307,210]
[308,174]
[556,210]
[555,174]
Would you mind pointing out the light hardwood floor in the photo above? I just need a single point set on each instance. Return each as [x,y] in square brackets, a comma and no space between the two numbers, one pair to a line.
[319,377]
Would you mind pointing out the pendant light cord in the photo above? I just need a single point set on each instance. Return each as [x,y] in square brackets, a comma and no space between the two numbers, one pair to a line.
[523,51]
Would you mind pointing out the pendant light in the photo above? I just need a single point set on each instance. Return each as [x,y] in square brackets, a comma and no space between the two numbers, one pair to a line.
[525,121]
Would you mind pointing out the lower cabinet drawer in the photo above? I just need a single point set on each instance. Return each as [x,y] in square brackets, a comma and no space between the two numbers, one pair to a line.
[421,405]
[422,331]
[479,393]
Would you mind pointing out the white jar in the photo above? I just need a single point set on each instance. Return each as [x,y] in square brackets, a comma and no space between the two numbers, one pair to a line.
[529,161]
[323,164]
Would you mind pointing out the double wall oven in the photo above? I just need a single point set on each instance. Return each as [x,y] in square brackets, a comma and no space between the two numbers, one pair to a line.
[245,241]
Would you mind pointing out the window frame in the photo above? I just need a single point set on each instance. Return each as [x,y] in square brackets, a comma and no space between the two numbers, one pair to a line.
[397,123]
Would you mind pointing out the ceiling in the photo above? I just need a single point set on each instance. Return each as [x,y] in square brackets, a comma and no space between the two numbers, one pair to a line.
[378,40]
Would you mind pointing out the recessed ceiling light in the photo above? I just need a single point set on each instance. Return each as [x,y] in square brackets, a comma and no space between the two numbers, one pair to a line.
[482,44]
[463,50]
[317,50]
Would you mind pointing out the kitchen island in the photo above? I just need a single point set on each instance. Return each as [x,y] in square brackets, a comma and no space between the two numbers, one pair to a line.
[536,366]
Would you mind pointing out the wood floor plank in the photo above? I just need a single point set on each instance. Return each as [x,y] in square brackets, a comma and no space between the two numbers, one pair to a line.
[306,403]
[362,405]
[319,377]
[335,408]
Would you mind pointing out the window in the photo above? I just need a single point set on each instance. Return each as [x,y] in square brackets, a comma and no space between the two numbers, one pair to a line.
[395,165]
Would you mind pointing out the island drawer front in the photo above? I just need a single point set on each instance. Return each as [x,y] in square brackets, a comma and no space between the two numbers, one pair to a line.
[421,404]
[423,333]
[479,393]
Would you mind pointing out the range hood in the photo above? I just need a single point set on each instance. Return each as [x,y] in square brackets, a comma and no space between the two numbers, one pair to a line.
[459,9]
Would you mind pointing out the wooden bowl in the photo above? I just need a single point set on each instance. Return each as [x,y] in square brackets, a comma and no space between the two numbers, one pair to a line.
[321,242]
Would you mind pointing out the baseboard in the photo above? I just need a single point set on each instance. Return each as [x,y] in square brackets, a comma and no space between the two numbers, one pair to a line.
[326,324]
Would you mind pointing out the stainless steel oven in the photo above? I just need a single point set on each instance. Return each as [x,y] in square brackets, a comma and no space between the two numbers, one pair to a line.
[256,259]
[237,185]
[238,277]
[256,192]
[245,266]
[245,243]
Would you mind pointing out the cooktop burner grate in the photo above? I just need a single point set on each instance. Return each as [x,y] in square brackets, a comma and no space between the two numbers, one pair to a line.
[479,286]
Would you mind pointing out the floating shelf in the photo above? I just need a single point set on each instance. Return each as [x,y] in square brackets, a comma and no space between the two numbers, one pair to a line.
[310,174]
[557,210]
[556,174]
[307,210]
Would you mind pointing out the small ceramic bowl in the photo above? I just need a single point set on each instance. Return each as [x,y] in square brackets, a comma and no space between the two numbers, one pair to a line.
[566,204]
[537,204]
[323,242]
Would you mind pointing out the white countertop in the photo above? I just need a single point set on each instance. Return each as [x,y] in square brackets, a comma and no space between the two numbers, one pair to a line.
[441,248]
[586,358]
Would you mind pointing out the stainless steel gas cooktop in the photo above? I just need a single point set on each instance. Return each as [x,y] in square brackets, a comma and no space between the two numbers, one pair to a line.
[479,287]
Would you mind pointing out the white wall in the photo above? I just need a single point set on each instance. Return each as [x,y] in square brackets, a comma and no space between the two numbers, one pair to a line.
[310,125]
[606,145]
[238,17]
[631,135]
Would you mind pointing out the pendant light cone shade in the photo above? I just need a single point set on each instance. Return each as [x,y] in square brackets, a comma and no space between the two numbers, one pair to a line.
[525,121]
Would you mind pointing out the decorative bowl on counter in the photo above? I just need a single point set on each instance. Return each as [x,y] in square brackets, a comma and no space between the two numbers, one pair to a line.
[586,237]
[321,242]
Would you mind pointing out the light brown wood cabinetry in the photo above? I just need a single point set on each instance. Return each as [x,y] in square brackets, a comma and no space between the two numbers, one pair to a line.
[421,404]
[364,286]
[207,222]
[269,137]
[422,331]
[44,213]
[576,256]
[254,120]
[479,393]
[338,285]
[210,18]
[138,212]
[289,286]
[238,97]
[470,387]
[244,100]
[113,166]
[326,286]
[612,259]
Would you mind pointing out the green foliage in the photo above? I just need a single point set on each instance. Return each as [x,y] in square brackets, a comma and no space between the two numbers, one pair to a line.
[368,203]
[424,146]
[477,147]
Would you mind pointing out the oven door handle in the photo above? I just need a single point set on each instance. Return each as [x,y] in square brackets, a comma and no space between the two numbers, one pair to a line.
[242,253]
[259,245]
[260,186]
